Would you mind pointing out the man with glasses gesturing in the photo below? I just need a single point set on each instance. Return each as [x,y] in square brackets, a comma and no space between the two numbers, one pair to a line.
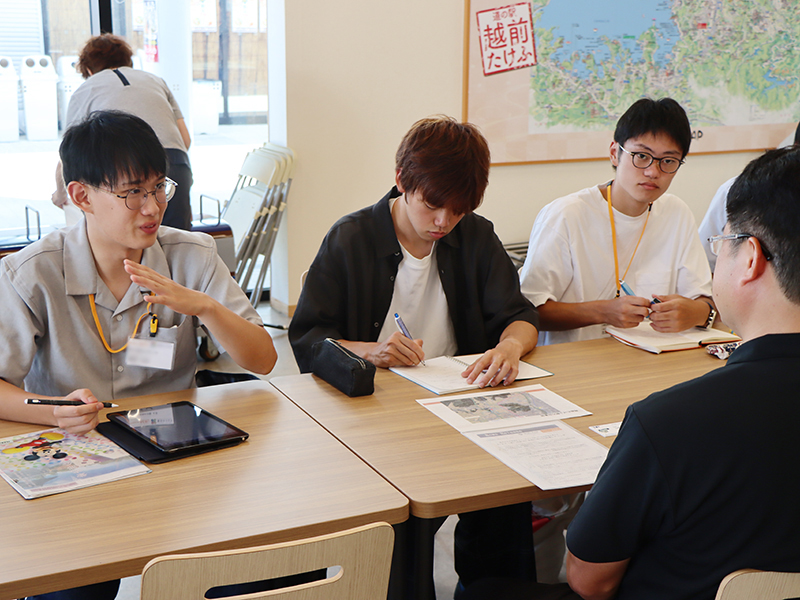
[108,308]
[620,252]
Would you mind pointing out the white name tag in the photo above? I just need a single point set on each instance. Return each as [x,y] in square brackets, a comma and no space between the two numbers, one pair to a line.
[150,353]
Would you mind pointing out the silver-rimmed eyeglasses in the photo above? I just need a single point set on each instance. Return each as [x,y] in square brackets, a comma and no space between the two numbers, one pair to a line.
[135,198]
[715,242]
[642,160]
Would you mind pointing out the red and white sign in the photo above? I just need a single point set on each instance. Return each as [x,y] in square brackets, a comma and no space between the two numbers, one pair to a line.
[506,38]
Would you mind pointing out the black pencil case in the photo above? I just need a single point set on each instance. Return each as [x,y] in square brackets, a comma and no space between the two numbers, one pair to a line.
[347,372]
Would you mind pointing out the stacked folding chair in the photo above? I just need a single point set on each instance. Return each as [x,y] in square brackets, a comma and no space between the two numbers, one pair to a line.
[254,250]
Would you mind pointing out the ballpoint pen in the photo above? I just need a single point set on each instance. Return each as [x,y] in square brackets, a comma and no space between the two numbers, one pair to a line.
[48,402]
[404,330]
[629,292]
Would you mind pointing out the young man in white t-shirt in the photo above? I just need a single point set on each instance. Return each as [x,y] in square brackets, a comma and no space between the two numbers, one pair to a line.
[585,245]
[422,253]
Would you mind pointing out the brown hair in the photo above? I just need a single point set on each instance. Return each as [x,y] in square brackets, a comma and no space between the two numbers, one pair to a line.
[102,52]
[446,161]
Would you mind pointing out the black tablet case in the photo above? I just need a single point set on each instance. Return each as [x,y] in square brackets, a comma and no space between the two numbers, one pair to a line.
[136,446]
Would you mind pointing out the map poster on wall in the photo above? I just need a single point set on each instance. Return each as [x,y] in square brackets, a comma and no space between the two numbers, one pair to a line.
[506,38]
[734,65]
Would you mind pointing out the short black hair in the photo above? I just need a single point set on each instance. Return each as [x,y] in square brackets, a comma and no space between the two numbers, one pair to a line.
[764,202]
[108,146]
[662,116]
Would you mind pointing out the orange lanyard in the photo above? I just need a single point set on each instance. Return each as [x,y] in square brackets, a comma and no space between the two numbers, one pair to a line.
[614,239]
[135,329]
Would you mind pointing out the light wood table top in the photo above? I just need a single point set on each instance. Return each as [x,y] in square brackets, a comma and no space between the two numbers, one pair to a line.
[290,480]
[444,473]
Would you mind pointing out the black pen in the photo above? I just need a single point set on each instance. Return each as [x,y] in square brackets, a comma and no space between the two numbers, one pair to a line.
[44,401]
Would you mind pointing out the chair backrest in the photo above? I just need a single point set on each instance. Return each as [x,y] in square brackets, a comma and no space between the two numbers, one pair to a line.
[749,584]
[364,555]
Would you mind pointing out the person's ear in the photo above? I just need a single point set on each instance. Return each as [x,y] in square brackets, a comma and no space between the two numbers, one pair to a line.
[752,263]
[397,181]
[613,153]
[80,196]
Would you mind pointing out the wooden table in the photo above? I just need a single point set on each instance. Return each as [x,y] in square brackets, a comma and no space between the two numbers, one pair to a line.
[290,480]
[442,472]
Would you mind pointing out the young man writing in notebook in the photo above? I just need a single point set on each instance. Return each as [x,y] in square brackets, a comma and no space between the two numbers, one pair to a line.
[585,245]
[421,252]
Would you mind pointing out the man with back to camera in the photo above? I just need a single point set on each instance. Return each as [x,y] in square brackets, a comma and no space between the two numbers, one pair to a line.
[73,301]
[583,246]
[671,515]
[680,500]
[421,252]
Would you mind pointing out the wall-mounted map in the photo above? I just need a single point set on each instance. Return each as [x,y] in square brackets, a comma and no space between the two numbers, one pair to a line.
[733,64]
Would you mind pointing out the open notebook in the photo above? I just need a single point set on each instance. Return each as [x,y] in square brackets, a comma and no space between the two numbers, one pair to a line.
[442,375]
[645,337]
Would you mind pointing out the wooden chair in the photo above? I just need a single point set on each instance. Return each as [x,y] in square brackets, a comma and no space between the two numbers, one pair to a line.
[363,554]
[749,584]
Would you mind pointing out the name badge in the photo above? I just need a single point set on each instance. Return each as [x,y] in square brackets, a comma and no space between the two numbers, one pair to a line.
[150,353]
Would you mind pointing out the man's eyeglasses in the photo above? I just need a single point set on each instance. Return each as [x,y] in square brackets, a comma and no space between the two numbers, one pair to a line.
[642,160]
[135,198]
[715,243]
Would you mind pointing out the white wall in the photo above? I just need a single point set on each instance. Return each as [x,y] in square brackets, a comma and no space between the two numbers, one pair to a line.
[358,74]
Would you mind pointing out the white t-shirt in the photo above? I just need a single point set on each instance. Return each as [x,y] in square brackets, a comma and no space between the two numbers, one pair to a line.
[420,301]
[714,221]
[571,256]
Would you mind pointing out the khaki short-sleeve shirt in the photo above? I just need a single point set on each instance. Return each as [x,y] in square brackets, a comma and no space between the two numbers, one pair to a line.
[51,345]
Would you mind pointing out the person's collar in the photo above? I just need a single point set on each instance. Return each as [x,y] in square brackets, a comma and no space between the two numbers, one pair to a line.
[767,347]
[80,273]
[386,243]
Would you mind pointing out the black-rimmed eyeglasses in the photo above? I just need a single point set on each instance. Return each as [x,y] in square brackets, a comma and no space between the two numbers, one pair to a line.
[642,160]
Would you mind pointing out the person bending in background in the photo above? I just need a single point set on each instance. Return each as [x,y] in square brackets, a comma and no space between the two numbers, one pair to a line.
[73,301]
[423,253]
[113,84]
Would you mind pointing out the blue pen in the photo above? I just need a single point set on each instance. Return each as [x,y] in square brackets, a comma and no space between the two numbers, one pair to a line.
[626,288]
[404,330]
[629,292]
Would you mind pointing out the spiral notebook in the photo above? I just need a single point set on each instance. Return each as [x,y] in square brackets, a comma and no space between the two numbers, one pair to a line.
[442,375]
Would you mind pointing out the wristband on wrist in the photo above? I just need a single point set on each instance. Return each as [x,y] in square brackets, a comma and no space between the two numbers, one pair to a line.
[712,315]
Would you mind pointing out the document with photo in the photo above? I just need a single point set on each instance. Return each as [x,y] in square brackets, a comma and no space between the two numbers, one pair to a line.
[499,408]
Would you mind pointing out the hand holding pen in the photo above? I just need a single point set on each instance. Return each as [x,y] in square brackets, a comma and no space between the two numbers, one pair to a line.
[77,412]
[628,310]
[51,402]
[416,348]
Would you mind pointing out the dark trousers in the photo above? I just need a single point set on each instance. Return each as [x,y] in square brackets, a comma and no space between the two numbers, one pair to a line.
[179,209]
[496,542]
